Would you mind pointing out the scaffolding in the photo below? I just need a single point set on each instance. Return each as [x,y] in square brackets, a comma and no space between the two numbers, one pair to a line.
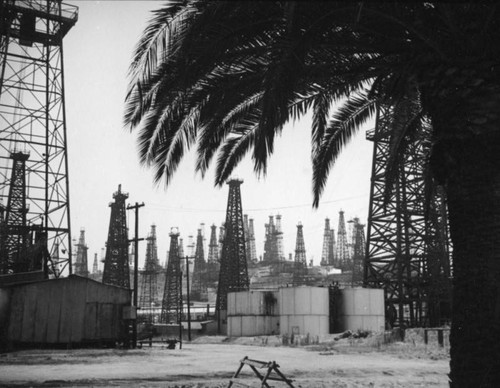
[32,116]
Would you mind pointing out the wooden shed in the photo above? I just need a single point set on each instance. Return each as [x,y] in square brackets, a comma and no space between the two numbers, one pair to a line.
[73,310]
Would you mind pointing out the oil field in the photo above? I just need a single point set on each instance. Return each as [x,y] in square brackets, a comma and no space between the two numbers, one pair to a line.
[152,278]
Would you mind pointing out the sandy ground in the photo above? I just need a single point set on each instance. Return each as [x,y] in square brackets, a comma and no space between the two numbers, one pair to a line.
[202,364]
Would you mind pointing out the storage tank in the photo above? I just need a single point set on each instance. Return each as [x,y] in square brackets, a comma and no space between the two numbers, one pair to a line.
[362,309]
[304,310]
[251,313]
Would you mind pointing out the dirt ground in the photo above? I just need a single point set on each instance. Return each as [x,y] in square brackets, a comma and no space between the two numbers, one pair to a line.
[211,361]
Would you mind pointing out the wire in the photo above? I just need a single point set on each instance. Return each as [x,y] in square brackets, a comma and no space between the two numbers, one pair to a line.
[189,210]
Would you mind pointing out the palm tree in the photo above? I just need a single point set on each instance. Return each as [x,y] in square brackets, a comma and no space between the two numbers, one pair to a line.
[227,75]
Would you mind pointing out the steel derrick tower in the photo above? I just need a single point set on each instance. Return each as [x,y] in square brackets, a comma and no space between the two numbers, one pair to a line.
[171,308]
[81,263]
[116,269]
[233,275]
[199,283]
[148,296]
[406,252]
[32,116]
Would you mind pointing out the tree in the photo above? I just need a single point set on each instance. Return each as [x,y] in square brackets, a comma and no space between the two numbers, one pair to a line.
[227,76]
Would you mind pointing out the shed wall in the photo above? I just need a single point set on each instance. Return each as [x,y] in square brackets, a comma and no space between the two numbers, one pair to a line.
[69,310]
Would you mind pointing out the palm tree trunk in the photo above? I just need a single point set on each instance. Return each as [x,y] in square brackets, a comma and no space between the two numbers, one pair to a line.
[473,192]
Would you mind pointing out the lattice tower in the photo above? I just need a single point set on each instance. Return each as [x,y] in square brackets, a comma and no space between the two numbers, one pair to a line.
[343,258]
[95,265]
[81,263]
[32,116]
[251,242]
[300,261]
[280,252]
[271,253]
[233,274]
[222,232]
[171,310]
[331,248]
[327,236]
[213,256]
[199,283]
[404,248]
[359,251]
[15,239]
[149,293]
[116,269]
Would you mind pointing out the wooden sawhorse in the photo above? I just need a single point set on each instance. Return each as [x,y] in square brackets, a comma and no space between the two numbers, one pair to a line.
[271,367]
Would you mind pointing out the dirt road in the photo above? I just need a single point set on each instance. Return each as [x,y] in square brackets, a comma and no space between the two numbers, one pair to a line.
[212,365]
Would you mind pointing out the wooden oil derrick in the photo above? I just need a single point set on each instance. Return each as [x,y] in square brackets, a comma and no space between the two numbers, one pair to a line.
[171,309]
[213,257]
[199,283]
[327,237]
[233,274]
[343,257]
[32,117]
[300,262]
[116,268]
[14,240]
[149,296]
[359,251]
[81,263]
[407,253]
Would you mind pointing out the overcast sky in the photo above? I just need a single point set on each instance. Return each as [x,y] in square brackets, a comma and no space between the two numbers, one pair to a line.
[103,154]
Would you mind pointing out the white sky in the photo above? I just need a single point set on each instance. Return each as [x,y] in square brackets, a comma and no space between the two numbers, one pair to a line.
[103,154]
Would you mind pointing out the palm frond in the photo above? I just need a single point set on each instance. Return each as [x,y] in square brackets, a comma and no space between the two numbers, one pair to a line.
[344,124]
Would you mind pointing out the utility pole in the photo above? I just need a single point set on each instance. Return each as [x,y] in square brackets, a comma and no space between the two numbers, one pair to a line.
[136,240]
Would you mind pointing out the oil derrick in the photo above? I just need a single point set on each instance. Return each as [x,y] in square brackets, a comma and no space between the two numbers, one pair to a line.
[148,297]
[213,257]
[32,118]
[95,265]
[343,258]
[199,283]
[402,243]
[222,232]
[271,252]
[252,254]
[171,308]
[233,275]
[81,265]
[116,269]
[359,251]
[300,262]
[331,249]
[15,239]
[279,239]
[250,241]
[327,246]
